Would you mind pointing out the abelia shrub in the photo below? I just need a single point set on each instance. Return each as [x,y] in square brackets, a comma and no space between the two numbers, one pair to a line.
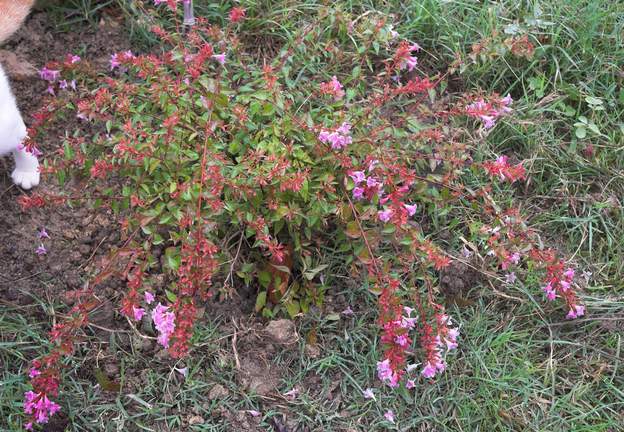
[239,167]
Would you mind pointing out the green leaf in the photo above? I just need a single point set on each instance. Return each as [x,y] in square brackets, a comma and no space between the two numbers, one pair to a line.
[172,258]
[292,308]
[311,274]
[580,132]
[105,383]
[260,301]
[264,277]
[171,296]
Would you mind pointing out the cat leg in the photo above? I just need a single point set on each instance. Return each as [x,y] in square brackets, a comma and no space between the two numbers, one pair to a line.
[26,173]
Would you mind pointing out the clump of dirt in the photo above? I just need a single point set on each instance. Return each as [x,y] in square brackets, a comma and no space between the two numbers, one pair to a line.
[458,279]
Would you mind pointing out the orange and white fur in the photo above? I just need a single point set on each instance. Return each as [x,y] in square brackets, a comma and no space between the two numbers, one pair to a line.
[12,127]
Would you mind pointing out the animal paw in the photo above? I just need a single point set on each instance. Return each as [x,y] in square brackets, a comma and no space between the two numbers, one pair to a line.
[25,179]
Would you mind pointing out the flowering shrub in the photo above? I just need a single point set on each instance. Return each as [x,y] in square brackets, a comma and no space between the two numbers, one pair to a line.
[242,170]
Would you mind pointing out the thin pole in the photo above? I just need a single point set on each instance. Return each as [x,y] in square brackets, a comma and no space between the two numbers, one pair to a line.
[189,16]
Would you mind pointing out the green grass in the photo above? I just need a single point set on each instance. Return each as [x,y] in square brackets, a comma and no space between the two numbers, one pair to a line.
[519,367]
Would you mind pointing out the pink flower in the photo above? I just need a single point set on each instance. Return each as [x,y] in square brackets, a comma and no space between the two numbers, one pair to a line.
[338,139]
[358,176]
[41,250]
[182,371]
[43,234]
[49,75]
[389,415]
[450,344]
[368,394]
[345,128]
[565,285]
[402,341]
[73,59]
[149,297]
[28,426]
[576,311]
[411,209]
[114,62]
[333,88]
[410,384]
[164,321]
[220,58]
[408,322]
[358,193]
[510,278]
[489,111]
[549,291]
[386,374]
[372,182]
[33,372]
[429,371]
[254,413]
[385,215]
[39,406]
[138,313]
[569,273]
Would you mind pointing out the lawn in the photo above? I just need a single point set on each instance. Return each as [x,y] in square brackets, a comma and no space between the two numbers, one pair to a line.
[520,364]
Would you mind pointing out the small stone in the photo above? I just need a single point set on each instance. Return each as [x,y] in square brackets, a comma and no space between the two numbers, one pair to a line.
[312,350]
[146,345]
[281,331]
[217,392]
[196,420]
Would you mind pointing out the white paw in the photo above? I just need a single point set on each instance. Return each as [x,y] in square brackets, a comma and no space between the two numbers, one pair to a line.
[25,179]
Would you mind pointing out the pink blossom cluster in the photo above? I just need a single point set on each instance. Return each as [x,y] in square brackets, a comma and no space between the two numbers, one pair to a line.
[164,321]
[504,171]
[386,214]
[559,282]
[54,75]
[489,111]
[562,284]
[49,75]
[434,344]
[163,318]
[42,235]
[39,406]
[333,88]
[117,59]
[404,56]
[513,259]
[395,209]
[338,139]
[576,311]
[366,187]
[220,58]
